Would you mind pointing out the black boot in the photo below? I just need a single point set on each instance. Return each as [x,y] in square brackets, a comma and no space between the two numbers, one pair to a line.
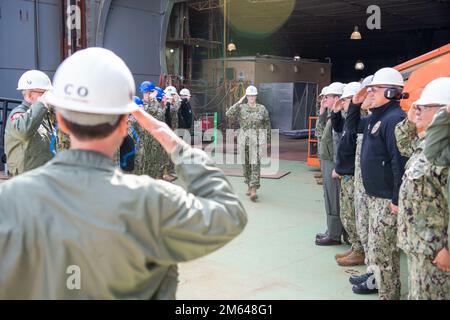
[367,287]
[354,279]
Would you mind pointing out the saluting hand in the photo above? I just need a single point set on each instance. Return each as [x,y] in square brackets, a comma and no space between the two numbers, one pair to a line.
[360,96]
[158,129]
[241,99]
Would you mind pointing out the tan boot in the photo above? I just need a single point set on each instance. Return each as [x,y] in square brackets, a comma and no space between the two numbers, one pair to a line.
[317,175]
[253,195]
[353,259]
[249,190]
[343,254]
[319,181]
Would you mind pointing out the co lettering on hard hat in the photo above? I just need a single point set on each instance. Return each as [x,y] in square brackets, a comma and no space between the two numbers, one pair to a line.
[85,73]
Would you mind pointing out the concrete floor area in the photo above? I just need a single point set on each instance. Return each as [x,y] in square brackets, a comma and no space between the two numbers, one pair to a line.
[275,257]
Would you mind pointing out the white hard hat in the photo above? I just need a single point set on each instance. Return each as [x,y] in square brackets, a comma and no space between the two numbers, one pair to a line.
[170,90]
[322,93]
[251,91]
[185,92]
[94,80]
[436,92]
[367,81]
[351,89]
[336,88]
[387,76]
[34,79]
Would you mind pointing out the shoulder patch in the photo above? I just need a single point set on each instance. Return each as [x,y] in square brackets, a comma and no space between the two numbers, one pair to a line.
[16,115]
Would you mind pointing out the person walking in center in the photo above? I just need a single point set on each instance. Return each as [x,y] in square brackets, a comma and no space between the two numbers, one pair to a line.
[255,130]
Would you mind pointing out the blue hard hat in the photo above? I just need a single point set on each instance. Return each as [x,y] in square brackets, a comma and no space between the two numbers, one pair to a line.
[138,101]
[147,86]
[160,93]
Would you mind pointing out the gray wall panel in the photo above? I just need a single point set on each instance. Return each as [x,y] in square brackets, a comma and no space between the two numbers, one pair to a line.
[49,36]
[17,35]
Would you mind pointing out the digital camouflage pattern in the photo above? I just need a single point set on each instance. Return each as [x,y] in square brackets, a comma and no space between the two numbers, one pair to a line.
[361,206]
[150,156]
[425,280]
[254,132]
[384,255]
[423,214]
[347,212]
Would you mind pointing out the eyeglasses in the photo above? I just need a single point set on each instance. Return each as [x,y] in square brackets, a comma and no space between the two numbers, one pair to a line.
[421,108]
[376,88]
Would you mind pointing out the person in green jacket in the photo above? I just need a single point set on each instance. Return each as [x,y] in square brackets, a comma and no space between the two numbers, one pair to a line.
[437,144]
[79,228]
[30,126]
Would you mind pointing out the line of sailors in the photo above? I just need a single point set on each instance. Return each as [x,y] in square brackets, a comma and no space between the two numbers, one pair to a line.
[385,182]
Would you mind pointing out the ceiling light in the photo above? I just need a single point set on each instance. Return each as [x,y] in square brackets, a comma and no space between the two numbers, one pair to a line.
[359,65]
[231,47]
[355,34]
[171,51]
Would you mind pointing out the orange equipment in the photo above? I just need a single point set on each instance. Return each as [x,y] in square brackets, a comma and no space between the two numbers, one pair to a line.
[313,145]
[419,71]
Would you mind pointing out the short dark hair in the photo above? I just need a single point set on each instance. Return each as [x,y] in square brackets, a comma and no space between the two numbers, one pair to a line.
[99,131]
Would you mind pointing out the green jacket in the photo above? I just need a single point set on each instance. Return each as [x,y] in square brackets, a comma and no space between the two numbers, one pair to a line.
[326,150]
[28,135]
[126,233]
[437,143]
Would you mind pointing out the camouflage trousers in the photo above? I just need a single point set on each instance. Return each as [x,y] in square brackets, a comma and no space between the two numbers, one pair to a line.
[252,169]
[347,214]
[425,280]
[149,159]
[361,208]
[384,256]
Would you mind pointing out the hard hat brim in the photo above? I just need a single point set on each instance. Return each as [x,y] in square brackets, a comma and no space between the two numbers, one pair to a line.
[35,88]
[425,102]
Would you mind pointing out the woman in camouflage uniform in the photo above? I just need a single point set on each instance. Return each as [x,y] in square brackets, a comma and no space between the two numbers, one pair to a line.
[423,210]
[252,117]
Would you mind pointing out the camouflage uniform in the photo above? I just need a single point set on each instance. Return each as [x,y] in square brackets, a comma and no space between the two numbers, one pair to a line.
[168,165]
[150,154]
[347,214]
[384,256]
[423,216]
[360,198]
[254,131]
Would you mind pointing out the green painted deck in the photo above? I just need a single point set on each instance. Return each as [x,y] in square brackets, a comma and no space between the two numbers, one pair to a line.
[275,257]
